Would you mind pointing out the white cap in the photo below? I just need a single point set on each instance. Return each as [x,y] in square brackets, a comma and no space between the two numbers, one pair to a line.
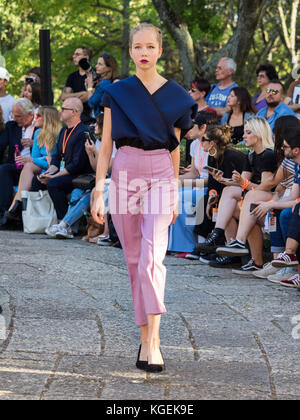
[4,74]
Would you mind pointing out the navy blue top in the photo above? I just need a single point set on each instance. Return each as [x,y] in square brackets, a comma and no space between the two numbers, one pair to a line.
[135,116]
[76,158]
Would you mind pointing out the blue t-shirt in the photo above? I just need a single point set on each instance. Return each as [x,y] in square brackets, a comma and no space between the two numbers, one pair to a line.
[218,97]
[281,110]
[297,174]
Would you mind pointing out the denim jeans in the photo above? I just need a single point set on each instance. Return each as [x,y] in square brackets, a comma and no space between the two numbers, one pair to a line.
[79,202]
[278,238]
[294,227]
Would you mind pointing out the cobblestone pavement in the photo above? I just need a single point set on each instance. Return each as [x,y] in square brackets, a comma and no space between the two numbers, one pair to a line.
[69,330]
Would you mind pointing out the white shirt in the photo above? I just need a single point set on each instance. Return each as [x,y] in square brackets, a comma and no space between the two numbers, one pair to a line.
[194,152]
[27,133]
[6,103]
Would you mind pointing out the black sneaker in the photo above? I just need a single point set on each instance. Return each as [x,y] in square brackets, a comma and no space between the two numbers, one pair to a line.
[207,258]
[233,248]
[248,269]
[214,240]
[225,262]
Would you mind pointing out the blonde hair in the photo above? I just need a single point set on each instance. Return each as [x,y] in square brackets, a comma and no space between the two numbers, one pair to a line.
[148,26]
[261,129]
[51,127]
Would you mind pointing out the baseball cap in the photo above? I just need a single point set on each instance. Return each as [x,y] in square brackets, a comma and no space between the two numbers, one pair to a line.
[4,74]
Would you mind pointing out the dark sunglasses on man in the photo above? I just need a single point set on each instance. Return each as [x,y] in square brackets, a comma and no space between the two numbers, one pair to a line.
[272,91]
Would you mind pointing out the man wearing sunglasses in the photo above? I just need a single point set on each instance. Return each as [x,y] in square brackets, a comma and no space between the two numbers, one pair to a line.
[275,106]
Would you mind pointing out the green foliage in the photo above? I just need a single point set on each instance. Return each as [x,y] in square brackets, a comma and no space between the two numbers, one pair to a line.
[99,25]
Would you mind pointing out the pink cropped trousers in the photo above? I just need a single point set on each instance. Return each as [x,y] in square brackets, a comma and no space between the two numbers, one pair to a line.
[143,191]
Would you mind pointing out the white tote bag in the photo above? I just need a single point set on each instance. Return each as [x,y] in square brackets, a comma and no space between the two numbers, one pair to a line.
[38,211]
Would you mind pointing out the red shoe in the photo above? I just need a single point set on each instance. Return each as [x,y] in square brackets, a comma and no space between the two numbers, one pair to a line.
[292,281]
[181,254]
[285,260]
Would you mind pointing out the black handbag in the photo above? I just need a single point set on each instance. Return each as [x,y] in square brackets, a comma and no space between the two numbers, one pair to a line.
[85,182]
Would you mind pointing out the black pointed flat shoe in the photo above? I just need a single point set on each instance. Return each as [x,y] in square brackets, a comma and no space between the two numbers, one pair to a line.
[141,364]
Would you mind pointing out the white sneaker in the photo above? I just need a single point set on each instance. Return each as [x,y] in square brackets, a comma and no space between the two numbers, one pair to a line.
[51,231]
[266,271]
[282,274]
[63,233]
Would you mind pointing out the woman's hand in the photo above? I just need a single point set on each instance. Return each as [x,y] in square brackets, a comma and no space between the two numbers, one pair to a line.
[90,148]
[98,208]
[263,207]
[175,214]
[236,177]
[21,160]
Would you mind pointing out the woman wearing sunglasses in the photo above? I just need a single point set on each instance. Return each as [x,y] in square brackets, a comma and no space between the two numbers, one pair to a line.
[107,69]
[47,127]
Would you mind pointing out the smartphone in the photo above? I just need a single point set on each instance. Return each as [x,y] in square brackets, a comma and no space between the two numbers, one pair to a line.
[253,207]
[210,168]
[88,137]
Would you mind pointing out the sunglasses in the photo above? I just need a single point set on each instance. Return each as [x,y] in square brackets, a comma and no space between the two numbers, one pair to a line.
[272,91]
[204,139]
[66,109]
[283,147]
[193,90]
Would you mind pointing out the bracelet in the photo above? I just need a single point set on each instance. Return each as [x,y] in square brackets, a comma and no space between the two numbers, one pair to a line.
[245,183]
[90,89]
[213,193]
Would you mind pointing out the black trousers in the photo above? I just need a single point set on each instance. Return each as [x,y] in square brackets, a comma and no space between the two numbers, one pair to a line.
[294,228]
[9,177]
[58,189]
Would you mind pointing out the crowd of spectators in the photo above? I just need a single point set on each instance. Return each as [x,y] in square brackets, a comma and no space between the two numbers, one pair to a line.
[239,186]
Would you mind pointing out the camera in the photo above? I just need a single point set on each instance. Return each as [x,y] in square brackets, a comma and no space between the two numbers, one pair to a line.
[30,79]
[86,66]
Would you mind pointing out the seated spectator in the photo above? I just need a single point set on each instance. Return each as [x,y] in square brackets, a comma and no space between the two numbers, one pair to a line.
[265,73]
[181,234]
[107,69]
[293,97]
[80,200]
[217,143]
[217,97]
[32,91]
[17,133]
[259,168]
[249,220]
[291,147]
[44,147]
[199,90]
[241,109]
[291,255]
[6,100]
[275,106]
[69,161]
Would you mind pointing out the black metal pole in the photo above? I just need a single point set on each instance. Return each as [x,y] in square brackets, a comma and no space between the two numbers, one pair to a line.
[45,64]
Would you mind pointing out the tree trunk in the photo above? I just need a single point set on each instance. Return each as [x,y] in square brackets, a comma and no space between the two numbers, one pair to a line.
[178,29]
[238,46]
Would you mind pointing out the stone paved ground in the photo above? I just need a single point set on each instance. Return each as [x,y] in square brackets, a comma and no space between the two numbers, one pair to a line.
[70,332]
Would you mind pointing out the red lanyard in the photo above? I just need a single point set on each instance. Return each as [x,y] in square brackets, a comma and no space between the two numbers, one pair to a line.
[202,161]
[65,140]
